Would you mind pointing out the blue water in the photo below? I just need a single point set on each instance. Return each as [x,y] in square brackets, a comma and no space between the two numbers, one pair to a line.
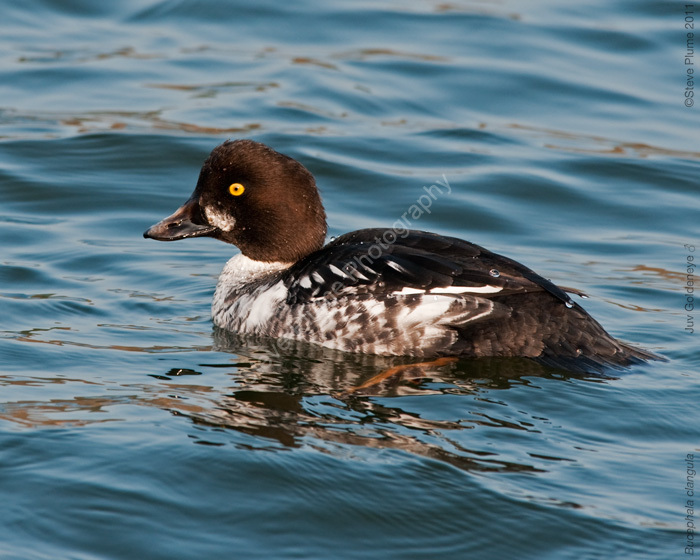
[131,428]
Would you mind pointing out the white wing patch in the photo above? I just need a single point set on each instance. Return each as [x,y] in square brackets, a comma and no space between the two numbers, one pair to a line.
[408,291]
[335,270]
[396,266]
[436,311]
[466,290]
[450,290]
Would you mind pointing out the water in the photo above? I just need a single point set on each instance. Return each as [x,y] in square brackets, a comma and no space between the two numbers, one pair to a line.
[131,428]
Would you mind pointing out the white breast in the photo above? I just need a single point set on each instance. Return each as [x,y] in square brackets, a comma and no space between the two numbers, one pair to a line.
[251,311]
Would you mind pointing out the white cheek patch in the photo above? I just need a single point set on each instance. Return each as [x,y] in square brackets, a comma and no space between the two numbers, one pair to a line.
[219,220]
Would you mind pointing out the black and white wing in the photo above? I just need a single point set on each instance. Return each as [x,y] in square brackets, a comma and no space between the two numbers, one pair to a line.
[416,263]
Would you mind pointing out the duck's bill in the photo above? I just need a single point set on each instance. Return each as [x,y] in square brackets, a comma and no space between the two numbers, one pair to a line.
[185,222]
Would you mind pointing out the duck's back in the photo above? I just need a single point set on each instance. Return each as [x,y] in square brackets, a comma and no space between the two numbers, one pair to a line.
[416,293]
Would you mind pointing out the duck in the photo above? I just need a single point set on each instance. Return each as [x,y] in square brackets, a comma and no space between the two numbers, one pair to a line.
[384,291]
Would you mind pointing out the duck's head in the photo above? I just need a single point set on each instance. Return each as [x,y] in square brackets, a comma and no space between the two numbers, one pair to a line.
[264,202]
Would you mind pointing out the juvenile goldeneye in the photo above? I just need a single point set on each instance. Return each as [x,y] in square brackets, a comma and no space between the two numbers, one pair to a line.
[378,291]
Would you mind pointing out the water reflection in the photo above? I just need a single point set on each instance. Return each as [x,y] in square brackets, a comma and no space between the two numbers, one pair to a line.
[289,395]
[301,395]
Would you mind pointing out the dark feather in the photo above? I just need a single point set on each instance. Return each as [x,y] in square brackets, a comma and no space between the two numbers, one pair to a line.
[419,260]
[528,316]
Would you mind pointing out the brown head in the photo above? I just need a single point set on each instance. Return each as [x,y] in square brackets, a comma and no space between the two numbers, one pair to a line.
[264,202]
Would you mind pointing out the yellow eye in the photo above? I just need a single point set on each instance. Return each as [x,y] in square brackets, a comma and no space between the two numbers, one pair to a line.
[236,189]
